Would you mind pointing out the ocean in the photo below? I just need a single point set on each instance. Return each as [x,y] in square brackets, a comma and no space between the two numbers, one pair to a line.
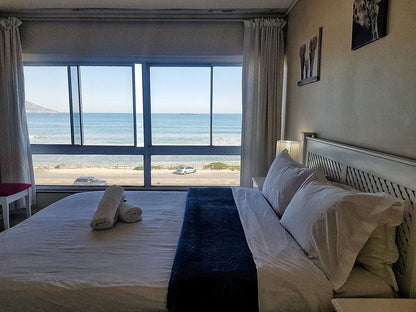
[117,129]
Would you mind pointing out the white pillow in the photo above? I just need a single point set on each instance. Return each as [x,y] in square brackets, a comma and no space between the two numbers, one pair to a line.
[283,179]
[380,251]
[332,224]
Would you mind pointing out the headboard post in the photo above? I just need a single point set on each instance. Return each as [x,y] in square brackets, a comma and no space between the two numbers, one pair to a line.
[304,136]
[371,171]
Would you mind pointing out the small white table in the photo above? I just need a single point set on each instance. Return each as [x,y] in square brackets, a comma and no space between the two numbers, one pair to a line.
[258,182]
[10,192]
[374,304]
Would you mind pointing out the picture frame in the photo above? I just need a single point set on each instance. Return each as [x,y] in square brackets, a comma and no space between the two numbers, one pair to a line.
[310,59]
[369,22]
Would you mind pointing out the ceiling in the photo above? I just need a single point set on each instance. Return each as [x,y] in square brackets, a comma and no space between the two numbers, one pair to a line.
[14,5]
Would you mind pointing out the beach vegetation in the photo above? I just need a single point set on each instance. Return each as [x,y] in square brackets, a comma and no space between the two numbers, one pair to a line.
[221,166]
[156,167]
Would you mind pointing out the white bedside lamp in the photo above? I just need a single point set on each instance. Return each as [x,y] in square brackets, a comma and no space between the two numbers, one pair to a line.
[293,148]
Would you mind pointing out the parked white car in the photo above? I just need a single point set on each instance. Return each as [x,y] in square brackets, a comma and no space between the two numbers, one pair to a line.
[185,170]
[89,180]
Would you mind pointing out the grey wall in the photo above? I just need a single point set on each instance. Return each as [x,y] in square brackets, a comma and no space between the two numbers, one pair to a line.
[124,39]
[366,97]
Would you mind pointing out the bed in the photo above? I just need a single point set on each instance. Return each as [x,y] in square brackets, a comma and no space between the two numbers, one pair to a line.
[53,261]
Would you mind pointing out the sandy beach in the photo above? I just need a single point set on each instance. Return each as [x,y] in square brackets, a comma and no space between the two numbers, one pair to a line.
[124,176]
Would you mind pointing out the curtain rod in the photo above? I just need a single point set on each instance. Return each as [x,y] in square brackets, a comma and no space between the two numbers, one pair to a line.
[237,15]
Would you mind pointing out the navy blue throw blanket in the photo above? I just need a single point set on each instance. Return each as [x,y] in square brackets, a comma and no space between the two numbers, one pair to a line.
[213,268]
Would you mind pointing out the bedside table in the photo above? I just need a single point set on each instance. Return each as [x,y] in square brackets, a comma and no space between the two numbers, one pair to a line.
[258,182]
[374,304]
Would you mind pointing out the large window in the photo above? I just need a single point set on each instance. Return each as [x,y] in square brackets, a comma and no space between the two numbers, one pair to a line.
[138,124]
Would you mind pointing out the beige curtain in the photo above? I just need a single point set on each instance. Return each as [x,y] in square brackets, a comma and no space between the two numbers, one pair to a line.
[262,95]
[15,153]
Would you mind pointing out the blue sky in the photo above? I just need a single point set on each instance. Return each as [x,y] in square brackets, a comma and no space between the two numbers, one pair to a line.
[107,89]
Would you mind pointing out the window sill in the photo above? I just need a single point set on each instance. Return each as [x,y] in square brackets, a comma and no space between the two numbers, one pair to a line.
[80,189]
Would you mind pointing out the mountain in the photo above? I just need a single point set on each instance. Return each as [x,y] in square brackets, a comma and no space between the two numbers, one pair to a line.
[34,108]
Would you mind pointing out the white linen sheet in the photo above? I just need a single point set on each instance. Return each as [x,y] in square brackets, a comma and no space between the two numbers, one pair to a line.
[53,261]
[287,279]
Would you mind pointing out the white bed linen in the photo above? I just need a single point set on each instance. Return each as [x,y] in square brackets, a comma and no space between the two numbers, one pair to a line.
[287,279]
[53,261]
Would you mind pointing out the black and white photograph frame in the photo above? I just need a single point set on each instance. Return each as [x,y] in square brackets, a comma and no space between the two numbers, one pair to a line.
[369,21]
[310,59]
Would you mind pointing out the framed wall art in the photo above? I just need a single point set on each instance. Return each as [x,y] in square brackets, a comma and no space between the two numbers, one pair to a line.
[369,21]
[310,59]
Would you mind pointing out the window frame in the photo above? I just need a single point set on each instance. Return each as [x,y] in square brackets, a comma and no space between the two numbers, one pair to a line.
[148,149]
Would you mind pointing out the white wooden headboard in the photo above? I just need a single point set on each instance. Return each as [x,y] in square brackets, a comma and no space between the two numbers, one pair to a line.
[372,171]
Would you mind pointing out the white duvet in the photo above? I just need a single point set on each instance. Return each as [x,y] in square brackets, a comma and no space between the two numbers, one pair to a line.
[287,279]
[54,262]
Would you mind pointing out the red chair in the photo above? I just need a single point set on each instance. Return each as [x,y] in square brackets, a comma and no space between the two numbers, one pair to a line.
[10,192]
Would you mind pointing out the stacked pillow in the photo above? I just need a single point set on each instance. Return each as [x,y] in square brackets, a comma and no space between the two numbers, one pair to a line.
[333,224]
[380,251]
[284,178]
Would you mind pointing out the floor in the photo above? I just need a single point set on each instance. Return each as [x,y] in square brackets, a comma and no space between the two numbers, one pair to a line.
[16,217]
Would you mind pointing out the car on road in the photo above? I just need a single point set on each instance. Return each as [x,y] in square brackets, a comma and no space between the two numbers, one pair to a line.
[185,170]
[89,180]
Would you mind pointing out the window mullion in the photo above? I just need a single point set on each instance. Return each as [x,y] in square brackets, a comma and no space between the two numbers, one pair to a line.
[147,126]
[133,80]
[71,111]
[75,105]
[81,126]
[210,104]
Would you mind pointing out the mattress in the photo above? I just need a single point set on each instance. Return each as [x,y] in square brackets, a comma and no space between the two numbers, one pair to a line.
[54,261]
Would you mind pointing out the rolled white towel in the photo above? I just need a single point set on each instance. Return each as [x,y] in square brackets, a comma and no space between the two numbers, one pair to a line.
[129,213]
[106,214]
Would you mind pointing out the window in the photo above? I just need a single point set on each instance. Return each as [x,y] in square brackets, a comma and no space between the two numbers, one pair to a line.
[107,105]
[88,170]
[227,99]
[47,104]
[138,124]
[196,170]
[180,99]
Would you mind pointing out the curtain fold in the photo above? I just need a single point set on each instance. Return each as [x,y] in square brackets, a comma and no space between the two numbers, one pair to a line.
[263,59]
[15,152]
